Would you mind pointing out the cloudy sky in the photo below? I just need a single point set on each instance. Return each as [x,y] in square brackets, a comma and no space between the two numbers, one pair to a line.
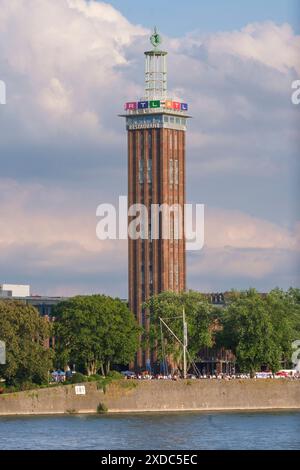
[69,65]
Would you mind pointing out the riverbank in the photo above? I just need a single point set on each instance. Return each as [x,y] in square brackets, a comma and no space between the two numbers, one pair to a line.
[126,396]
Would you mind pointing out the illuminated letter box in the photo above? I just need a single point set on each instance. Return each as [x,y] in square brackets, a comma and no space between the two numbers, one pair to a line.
[169,104]
[131,105]
[176,105]
[184,106]
[155,104]
[142,104]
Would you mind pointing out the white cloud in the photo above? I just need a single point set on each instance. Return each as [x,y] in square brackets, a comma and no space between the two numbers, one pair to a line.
[53,238]
[238,84]
[61,60]
[267,43]
[234,229]
[68,66]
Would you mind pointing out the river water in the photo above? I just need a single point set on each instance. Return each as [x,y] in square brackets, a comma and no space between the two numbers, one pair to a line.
[209,430]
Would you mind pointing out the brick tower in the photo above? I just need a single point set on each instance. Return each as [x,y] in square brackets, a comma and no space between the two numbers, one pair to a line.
[156,126]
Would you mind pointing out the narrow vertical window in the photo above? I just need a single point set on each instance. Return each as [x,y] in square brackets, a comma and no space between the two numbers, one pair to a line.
[176,275]
[171,172]
[171,273]
[176,171]
[172,227]
[170,141]
[141,171]
[150,144]
[150,171]
[141,159]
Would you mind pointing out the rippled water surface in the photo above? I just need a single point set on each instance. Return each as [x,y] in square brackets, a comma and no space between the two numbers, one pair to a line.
[255,430]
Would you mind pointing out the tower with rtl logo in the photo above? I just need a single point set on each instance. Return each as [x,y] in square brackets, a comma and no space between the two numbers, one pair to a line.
[156,129]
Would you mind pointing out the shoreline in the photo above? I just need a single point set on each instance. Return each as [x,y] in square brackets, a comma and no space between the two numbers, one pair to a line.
[149,412]
[122,397]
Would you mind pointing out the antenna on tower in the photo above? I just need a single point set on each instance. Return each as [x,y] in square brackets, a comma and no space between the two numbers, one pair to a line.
[155,70]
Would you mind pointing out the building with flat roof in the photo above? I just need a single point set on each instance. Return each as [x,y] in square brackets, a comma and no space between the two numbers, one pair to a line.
[14,290]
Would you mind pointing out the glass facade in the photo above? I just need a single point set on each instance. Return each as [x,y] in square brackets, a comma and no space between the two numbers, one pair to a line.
[153,121]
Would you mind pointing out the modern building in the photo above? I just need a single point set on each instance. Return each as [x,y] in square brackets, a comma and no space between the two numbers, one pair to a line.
[156,129]
[21,293]
[43,304]
[14,290]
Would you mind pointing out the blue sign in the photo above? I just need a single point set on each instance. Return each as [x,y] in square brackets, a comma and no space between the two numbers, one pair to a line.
[184,106]
[142,104]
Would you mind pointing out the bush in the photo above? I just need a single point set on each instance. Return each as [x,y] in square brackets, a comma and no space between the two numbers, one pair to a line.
[78,378]
[115,375]
[94,378]
[102,408]
[23,386]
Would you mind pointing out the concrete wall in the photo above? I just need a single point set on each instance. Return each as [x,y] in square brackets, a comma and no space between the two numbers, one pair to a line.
[146,396]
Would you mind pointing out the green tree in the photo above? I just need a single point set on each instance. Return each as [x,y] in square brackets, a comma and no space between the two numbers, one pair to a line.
[24,332]
[94,332]
[284,312]
[249,329]
[169,307]
[293,295]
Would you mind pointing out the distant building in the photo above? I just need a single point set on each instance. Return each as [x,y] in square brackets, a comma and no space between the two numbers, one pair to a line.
[14,290]
[43,304]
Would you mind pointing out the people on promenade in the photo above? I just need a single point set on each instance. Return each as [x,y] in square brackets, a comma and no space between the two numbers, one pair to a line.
[216,376]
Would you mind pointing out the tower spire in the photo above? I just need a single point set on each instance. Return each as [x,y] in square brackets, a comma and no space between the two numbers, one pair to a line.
[155,70]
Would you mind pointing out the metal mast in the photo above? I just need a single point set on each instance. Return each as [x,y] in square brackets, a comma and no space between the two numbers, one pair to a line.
[184,342]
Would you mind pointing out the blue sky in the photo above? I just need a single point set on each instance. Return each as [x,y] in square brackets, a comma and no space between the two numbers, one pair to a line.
[70,65]
[179,17]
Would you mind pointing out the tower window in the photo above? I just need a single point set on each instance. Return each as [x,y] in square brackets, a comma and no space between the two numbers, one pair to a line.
[158,143]
[171,276]
[149,144]
[141,171]
[176,139]
[141,161]
[171,172]
[176,275]
[176,171]
[150,171]
[172,227]
[142,143]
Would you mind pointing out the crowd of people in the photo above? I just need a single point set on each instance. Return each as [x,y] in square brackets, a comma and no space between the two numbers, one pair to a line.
[62,376]
[291,375]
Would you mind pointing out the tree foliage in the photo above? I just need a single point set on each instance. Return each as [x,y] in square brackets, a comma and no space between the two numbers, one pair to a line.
[24,331]
[169,307]
[259,329]
[95,331]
